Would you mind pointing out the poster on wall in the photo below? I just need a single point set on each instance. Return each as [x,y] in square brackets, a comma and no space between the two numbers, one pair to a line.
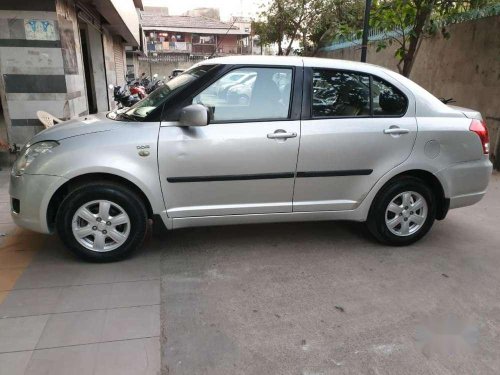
[40,30]
[68,47]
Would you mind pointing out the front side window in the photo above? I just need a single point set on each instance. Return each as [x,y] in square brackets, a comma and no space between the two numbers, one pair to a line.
[340,94]
[251,94]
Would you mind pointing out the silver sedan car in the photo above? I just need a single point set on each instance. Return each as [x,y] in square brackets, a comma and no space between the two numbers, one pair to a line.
[315,139]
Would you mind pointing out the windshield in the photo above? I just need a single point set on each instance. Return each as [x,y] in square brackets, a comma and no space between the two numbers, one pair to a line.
[144,107]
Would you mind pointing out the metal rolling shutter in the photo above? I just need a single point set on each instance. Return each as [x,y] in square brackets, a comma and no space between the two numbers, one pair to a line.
[119,64]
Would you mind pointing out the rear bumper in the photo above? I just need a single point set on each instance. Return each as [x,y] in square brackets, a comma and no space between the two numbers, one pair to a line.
[465,183]
[33,193]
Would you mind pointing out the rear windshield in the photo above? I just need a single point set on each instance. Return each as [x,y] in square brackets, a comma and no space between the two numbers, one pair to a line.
[144,107]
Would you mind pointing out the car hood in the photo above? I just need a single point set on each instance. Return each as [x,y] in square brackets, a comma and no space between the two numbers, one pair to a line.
[78,126]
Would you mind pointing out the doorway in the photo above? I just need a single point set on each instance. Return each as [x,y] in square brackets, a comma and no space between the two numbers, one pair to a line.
[94,68]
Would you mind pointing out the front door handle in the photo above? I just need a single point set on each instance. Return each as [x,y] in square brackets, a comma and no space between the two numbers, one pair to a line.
[394,130]
[281,134]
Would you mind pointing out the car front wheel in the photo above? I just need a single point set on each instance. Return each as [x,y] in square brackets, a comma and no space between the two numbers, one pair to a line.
[402,212]
[102,222]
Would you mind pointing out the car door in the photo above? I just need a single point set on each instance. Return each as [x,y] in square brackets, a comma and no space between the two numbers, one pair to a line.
[244,161]
[356,127]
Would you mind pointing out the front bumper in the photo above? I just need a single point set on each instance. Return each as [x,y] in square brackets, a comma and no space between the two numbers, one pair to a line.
[33,193]
[466,183]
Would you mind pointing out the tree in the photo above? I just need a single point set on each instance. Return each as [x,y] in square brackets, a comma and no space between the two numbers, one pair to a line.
[277,23]
[408,22]
[336,17]
[310,21]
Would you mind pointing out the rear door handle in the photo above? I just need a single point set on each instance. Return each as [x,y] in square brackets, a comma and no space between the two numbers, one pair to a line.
[281,134]
[396,131]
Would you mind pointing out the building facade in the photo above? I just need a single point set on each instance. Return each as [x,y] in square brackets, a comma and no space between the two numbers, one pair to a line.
[192,36]
[59,56]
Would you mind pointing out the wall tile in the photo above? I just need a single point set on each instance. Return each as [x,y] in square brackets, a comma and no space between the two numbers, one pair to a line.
[16,28]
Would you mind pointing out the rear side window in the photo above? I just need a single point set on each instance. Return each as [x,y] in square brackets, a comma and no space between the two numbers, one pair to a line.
[337,93]
[387,100]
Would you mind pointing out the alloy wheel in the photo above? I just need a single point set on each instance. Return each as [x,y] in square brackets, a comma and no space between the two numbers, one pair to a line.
[101,225]
[406,213]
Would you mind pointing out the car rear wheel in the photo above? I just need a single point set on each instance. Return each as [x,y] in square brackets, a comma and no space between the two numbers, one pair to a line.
[102,222]
[402,212]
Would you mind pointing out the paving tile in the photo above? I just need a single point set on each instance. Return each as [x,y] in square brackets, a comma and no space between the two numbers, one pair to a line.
[135,293]
[8,278]
[14,363]
[18,334]
[49,275]
[138,268]
[74,360]
[9,229]
[26,302]
[92,273]
[16,258]
[3,295]
[51,250]
[5,217]
[76,328]
[19,239]
[131,322]
[134,357]
[83,297]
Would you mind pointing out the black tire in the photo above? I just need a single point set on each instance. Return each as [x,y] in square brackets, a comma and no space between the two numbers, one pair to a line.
[376,218]
[115,193]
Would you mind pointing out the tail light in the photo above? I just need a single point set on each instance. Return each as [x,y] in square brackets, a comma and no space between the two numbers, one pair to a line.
[479,127]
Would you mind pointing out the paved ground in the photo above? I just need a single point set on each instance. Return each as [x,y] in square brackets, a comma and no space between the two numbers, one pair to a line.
[306,299]
[63,316]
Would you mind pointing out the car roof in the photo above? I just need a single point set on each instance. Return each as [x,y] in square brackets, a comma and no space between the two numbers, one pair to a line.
[292,61]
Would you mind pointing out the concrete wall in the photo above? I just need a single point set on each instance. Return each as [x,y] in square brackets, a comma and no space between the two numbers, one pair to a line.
[465,67]
[76,97]
[42,67]
[163,68]
[228,43]
[32,66]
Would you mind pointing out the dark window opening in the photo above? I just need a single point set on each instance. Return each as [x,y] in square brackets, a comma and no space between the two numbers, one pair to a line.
[337,93]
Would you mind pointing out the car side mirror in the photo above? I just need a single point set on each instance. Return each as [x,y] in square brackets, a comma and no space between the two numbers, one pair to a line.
[194,115]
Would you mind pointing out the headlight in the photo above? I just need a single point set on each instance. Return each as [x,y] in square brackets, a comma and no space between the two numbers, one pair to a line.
[30,153]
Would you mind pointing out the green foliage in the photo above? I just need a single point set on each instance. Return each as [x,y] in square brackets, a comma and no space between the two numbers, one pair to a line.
[408,22]
[310,21]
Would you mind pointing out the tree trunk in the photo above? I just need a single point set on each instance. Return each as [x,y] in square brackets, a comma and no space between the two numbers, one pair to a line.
[289,48]
[423,14]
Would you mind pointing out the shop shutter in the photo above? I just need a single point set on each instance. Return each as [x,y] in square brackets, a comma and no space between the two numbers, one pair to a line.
[119,64]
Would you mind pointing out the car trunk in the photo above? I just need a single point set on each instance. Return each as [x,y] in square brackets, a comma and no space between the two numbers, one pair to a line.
[470,113]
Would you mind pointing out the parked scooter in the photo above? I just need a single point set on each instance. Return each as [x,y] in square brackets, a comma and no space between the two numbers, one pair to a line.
[139,86]
[138,89]
[123,96]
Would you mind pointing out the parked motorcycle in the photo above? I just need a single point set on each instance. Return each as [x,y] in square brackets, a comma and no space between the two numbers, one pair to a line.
[138,89]
[123,97]
[135,89]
